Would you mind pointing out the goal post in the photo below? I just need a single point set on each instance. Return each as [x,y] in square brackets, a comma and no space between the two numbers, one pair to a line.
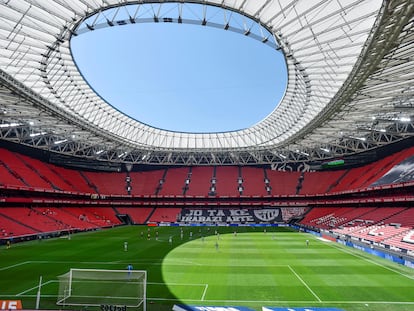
[99,287]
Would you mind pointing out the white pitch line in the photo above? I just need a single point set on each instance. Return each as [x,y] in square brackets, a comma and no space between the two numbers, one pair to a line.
[90,262]
[30,289]
[204,292]
[175,284]
[260,301]
[285,301]
[182,263]
[152,263]
[29,296]
[16,265]
[304,283]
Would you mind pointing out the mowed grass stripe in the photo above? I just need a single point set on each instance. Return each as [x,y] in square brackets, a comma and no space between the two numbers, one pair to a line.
[384,264]
[321,265]
[235,277]
[230,292]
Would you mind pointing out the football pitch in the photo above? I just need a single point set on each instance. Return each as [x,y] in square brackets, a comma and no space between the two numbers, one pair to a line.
[250,268]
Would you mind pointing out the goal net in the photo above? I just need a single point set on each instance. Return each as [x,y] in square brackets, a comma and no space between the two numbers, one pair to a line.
[93,287]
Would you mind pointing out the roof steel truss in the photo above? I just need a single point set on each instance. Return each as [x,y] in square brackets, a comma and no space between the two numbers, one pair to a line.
[350,86]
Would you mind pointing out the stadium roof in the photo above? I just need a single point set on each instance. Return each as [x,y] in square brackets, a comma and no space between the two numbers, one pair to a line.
[350,80]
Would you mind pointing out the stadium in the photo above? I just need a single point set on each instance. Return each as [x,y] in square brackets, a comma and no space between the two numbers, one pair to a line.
[309,209]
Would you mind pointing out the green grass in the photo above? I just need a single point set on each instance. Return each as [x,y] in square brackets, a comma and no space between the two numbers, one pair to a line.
[251,269]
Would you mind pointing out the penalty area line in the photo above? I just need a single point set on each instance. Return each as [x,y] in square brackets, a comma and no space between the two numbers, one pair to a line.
[189,300]
[175,284]
[16,265]
[33,288]
[325,302]
[204,292]
[304,283]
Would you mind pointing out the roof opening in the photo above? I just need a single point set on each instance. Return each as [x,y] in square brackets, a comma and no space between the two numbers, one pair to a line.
[180,76]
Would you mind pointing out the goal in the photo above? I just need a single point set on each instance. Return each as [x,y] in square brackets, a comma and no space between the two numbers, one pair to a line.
[98,287]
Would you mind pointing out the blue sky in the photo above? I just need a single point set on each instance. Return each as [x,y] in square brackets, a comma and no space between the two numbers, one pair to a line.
[182,77]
